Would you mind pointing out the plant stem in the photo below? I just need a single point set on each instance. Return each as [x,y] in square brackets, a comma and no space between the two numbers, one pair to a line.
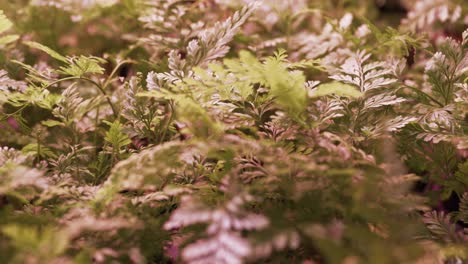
[114,71]
[100,88]
[425,94]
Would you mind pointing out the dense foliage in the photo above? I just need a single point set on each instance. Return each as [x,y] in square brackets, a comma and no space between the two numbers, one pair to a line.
[233,131]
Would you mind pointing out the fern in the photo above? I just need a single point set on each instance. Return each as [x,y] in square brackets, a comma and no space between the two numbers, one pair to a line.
[441,227]
[463,208]
[284,85]
[75,66]
[38,242]
[366,76]
[335,88]
[444,71]
[224,243]
[210,45]
[5,25]
[116,138]
[243,131]
[425,13]
[381,100]
[16,172]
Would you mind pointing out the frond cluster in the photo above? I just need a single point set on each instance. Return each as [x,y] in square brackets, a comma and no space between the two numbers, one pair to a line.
[244,131]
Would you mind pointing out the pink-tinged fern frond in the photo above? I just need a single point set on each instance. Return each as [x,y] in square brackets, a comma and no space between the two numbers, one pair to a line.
[224,242]
[356,70]
[426,13]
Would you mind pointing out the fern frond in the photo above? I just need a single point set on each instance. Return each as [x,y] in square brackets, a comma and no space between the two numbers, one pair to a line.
[366,76]
[314,46]
[47,50]
[285,86]
[426,13]
[224,243]
[69,104]
[16,173]
[284,239]
[382,100]
[74,66]
[388,126]
[6,24]
[337,88]
[7,84]
[463,208]
[211,44]
[398,122]
[441,227]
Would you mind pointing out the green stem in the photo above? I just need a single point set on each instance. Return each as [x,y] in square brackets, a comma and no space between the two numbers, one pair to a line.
[100,88]
[114,71]
[96,122]
[104,93]
[168,122]
[6,116]
[38,139]
[425,94]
